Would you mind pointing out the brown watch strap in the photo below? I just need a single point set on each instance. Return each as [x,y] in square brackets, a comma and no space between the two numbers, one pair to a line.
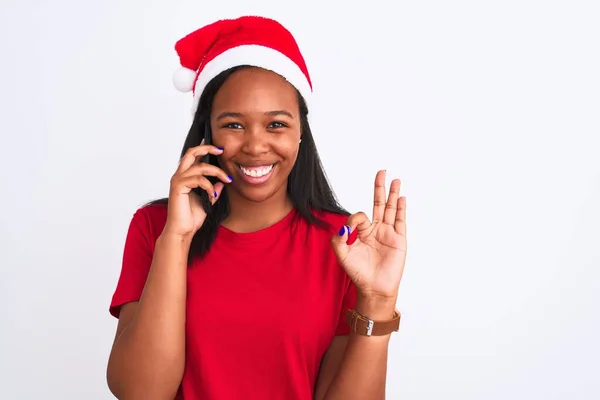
[366,327]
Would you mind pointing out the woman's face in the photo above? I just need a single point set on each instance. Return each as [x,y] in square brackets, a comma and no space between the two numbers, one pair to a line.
[255,119]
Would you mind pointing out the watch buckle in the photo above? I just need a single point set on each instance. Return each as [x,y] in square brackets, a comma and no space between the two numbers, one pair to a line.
[370,327]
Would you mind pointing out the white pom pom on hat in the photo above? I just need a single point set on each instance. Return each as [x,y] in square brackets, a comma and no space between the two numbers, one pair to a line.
[184,79]
[247,40]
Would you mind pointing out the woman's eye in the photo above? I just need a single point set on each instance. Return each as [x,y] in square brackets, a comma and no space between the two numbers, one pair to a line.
[275,125]
[233,126]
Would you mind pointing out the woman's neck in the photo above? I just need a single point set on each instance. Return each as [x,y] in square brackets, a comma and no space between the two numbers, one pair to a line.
[249,216]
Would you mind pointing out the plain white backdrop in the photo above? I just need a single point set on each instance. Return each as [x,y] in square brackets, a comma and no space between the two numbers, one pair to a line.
[487,110]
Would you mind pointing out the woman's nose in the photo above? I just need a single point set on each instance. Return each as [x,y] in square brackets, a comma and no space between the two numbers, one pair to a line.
[255,141]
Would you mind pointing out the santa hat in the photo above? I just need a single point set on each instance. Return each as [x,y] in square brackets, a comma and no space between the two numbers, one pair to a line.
[249,40]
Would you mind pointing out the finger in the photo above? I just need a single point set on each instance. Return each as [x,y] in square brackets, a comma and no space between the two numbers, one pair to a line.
[185,185]
[339,242]
[389,217]
[379,196]
[190,156]
[358,222]
[400,220]
[219,186]
[207,170]
[347,234]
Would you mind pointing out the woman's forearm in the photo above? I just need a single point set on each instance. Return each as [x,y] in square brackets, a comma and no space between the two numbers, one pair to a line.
[362,373]
[148,357]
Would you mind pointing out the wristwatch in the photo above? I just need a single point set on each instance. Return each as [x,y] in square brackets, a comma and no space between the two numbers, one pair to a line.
[367,327]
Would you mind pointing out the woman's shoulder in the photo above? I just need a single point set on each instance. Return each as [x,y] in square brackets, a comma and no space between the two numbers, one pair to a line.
[153,210]
[333,220]
[151,217]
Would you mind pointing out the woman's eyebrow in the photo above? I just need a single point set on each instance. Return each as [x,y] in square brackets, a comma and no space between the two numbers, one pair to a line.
[231,114]
[279,112]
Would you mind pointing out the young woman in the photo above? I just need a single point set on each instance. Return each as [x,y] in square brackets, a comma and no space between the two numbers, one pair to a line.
[250,281]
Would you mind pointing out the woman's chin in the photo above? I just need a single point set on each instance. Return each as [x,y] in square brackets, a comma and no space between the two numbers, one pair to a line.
[259,193]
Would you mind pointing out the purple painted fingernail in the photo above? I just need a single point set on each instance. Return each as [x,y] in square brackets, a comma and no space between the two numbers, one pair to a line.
[342,230]
[215,194]
[230,177]
[220,148]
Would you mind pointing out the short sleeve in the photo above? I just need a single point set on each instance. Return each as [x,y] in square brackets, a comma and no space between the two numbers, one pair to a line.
[348,303]
[137,258]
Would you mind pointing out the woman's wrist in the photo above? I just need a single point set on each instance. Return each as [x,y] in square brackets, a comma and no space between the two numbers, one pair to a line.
[167,239]
[376,308]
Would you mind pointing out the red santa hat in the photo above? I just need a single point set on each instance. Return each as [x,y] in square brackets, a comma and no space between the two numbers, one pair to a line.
[249,40]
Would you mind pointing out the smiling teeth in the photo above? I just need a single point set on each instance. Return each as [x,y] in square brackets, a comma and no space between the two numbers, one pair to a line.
[257,172]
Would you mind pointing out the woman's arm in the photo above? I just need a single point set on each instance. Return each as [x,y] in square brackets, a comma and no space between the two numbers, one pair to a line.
[148,355]
[355,366]
[375,263]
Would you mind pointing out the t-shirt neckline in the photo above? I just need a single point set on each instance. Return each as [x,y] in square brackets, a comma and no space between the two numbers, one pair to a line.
[266,234]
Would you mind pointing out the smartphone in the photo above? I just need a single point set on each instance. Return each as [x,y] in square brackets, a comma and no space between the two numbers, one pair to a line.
[207,140]
[206,159]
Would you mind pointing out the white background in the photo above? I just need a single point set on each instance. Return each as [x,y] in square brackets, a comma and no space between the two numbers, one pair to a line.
[488,111]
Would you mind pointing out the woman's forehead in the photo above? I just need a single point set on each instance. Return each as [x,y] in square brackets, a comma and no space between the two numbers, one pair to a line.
[257,87]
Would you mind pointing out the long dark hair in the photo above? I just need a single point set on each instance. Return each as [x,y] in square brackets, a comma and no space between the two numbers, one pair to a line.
[307,186]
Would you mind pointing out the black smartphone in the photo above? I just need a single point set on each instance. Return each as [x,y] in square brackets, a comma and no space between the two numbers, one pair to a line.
[206,159]
[207,140]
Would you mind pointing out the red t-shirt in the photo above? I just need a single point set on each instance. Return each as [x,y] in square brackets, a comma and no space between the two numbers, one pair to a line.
[262,307]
